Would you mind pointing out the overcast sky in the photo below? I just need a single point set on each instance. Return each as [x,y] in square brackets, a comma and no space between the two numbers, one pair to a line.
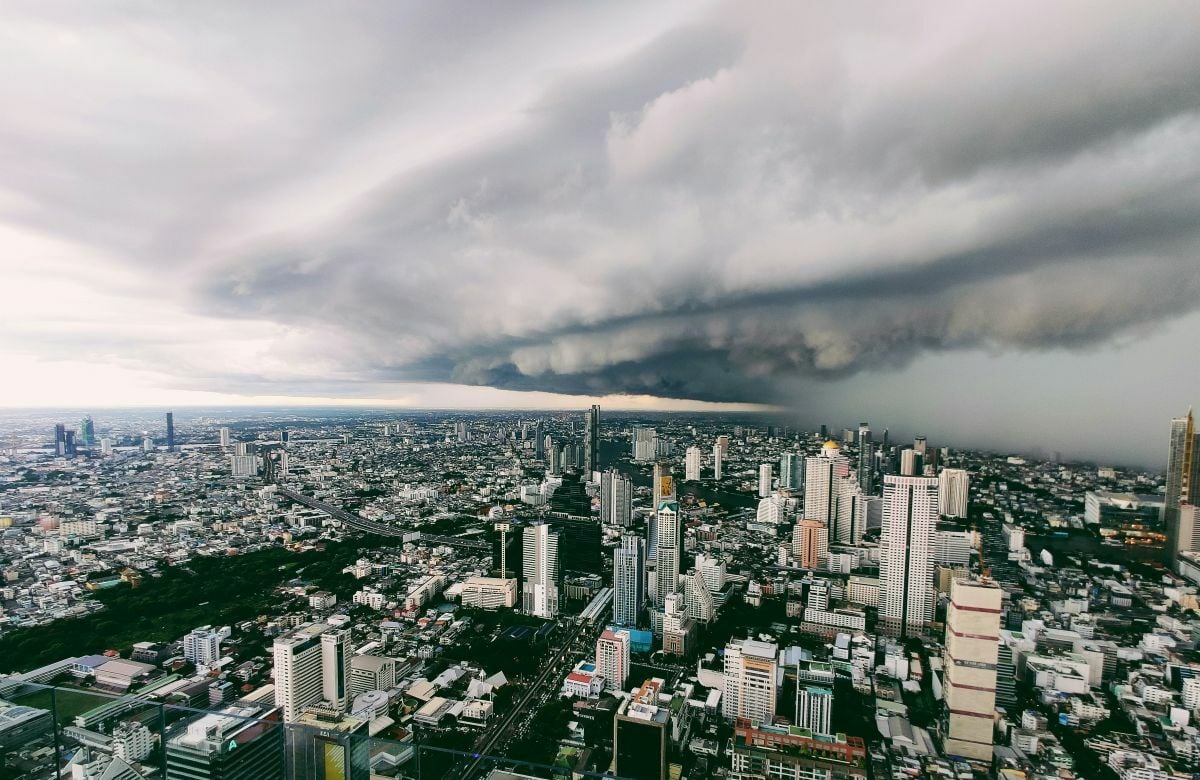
[977,221]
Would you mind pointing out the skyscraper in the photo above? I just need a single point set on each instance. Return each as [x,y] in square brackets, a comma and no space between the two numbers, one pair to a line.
[645,443]
[810,543]
[335,668]
[311,663]
[539,559]
[749,680]
[629,581]
[1183,478]
[866,459]
[953,491]
[612,658]
[224,437]
[691,464]
[820,482]
[170,431]
[910,463]
[539,440]
[60,439]
[764,480]
[814,708]
[789,470]
[616,499]
[718,455]
[666,565]
[910,514]
[87,431]
[972,645]
[591,442]
[854,510]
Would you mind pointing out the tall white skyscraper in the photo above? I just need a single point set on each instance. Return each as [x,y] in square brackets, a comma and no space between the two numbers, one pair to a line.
[225,437]
[821,474]
[696,595]
[764,480]
[612,658]
[749,680]
[666,565]
[910,514]
[909,463]
[539,593]
[854,507]
[691,464]
[1183,479]
[306,672]
[814,708]
[629,581]
[972,650]
[713,571]
[645,443]
[954,486]
[616,499]
[718,456]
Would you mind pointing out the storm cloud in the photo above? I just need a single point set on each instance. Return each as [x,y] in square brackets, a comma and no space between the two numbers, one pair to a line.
[689,201]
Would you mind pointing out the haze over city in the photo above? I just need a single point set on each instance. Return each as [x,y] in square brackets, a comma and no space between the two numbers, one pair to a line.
[979,222]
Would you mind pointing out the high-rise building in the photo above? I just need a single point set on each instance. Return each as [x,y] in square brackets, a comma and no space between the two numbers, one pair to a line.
[810,544]
[666,566]
[790,476]
[718,456]
[645,443]
[691,464]
[854,512]
[764,480]
[106,447]
[821,474]
[612,658]
[70,447]
[723,444]
[629,581]
[700,604]
[1187,529]
[231,743]
[713,571]
[640,735]
[954,486]
[87,431]
[591,442]
[60,439]
[225,437]
[311,663]
[910,514]
[814,708]
[542,577]
[972,645]
[1183,478]
[910,463]
[920,446]
[616,499]
[749,680]
[371,673]
[203,646]
[170,431]
[866,459]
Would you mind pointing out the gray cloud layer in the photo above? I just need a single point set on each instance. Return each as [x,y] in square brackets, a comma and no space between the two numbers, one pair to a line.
[750,195]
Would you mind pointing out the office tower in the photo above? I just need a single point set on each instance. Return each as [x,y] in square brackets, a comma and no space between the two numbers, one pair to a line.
[203,646]
[540,591]
[506,551]
[335,668]
[952,547]
[1183,478]
[764,480]
[147,444]
[224,437]
[910,506]
[553,464]
[664,484]
[677,627]
[666,565]
[749,680]
[60,439]
[285,437]
[244,465]
[591,441]
[713,571]
[814,708]
[919,446]
[640,739]
[722,443]
[972,645]
[489,592]
[824,433]
[775,509]
[106,447]
[953,491]
[616,499]
[629,581]
[645,443]
[170,431]
[810,543]
[580,544]
[612,658]
[69,447]
[789,471]
[300,672]
[820,482]
[854,510]
[866,459]
[87,431]
[539,440]
[1187,536]
[240,741]
[700,604]
[718,455]
[460,432]
[910,463]
[691,464]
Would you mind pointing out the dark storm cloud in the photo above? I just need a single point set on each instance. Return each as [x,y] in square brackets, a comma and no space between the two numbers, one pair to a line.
[752,195]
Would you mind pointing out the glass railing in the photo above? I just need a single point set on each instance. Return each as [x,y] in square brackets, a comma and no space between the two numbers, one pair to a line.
[67,732]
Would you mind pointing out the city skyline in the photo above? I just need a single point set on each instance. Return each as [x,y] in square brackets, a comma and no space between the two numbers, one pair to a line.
[552,208]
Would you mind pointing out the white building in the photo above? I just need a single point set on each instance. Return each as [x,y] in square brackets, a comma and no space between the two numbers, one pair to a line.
[540,593]
[700,605]
[132,741]
[820,482]
[225,439]
[616,499]
[311,663]
[972,650]
[814,708]
[244,465]
[854,509]
[691,464]
[713,571]
[612,658]
[489,592]
[749,680]
[203,646]
[910,514]
[953,489]
[629,580]
[764,480]
[666,567]
[718,459]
